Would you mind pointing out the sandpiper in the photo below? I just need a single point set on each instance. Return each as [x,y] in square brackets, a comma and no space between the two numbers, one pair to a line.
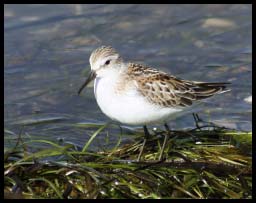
[136,94]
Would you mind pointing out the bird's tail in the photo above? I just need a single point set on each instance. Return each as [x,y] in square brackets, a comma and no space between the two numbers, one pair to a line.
[205,89]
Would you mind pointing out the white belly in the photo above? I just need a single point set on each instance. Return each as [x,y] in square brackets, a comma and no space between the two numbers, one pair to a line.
[128,108]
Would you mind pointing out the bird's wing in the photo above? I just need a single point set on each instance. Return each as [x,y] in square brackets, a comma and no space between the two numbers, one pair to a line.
[168,91]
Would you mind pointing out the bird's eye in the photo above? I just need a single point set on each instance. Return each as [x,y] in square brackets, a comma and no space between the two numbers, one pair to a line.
[107,62]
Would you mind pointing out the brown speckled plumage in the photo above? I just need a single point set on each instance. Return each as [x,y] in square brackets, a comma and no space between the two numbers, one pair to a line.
[166,90]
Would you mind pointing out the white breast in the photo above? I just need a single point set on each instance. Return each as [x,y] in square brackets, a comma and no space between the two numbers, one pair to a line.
[129,108]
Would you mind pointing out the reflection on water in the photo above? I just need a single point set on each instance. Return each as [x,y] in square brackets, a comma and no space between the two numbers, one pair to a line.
[46,51]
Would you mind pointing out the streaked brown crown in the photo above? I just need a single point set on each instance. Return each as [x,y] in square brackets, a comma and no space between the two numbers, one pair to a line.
[103,52]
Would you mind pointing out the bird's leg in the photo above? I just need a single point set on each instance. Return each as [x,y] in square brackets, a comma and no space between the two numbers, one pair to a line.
[166,137]
[197,120]
[144,141]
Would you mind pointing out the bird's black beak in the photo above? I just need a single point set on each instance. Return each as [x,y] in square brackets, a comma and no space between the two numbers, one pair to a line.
[91,77]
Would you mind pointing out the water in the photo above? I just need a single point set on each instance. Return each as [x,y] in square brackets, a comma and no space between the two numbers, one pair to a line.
[47,47]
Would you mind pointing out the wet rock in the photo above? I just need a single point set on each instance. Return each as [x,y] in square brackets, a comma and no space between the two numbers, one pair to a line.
[226,123]
[218,22]
[248,99]
[241,69]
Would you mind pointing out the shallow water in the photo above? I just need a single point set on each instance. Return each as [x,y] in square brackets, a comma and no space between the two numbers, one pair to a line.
[46,51]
